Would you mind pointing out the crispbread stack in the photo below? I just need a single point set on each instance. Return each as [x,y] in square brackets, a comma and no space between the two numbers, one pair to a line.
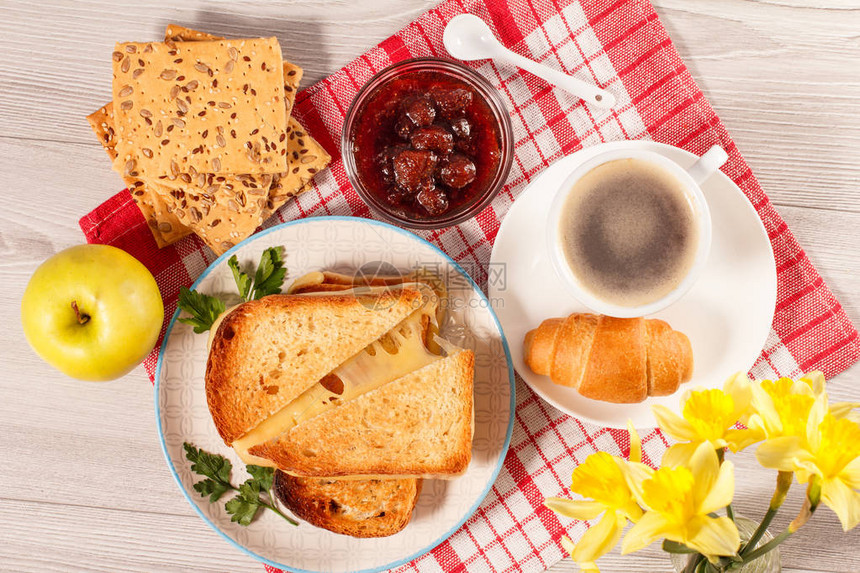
[200,130]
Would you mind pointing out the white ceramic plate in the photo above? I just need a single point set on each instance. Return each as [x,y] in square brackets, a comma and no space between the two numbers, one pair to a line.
[727,314]
[344,244]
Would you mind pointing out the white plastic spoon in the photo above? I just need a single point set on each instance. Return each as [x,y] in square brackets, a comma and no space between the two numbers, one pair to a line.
[468,38]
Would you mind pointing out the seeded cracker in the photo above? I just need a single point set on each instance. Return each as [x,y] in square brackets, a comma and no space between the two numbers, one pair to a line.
[217,217]
[173,100]
[165,227]
[292,73]
[306,157]
[177,33]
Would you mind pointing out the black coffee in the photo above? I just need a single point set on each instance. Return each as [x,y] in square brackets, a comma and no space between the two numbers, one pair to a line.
[629,232]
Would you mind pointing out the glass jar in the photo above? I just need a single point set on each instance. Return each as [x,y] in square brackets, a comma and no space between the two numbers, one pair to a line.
[768,563]
[500,119]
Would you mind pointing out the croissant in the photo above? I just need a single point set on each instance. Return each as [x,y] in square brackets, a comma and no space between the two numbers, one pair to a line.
[621,360]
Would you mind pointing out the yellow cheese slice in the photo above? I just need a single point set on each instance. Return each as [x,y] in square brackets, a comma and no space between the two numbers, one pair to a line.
[397,353]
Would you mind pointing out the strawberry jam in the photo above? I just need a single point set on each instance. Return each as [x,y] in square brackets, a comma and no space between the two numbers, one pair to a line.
[426,143]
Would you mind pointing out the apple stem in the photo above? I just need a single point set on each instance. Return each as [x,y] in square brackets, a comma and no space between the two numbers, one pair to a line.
[82,318]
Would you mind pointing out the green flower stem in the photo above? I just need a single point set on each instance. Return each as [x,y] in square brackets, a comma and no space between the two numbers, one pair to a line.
[783,483]
[756,536]
[721,455]
[810,504]
[756,553]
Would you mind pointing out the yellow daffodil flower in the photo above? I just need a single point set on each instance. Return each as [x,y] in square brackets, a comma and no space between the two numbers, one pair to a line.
[708,416]
[601,480]
[678,501]
[828,446]
[782,407]
[838,409]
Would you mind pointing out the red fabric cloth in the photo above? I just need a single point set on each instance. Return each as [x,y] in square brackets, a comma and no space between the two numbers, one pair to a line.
[622,46]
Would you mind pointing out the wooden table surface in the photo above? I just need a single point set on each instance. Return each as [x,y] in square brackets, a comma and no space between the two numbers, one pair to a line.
[83,485]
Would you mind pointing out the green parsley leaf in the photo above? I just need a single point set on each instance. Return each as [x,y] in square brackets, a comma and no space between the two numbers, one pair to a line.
[243,281]
[204,309]
[244,506]
[264,476]
[211,488]
[270,274]
[209,465]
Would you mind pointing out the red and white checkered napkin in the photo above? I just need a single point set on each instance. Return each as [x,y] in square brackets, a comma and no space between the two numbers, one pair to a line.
[620,45]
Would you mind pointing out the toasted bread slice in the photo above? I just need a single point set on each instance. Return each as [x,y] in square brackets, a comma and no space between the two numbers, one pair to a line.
[401,350]
[360,508]
[419,425]
[265,353]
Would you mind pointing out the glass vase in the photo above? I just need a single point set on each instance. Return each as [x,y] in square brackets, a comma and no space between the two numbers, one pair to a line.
[767,563]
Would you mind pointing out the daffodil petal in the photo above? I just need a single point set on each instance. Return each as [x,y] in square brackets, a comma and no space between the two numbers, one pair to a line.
[600,538]
[805,471]
[756,423]
[815,379]
[575,509]
[601,478]
[679,454]
[650,527]
[739,388]
[635,443]
[567,544]
[673,424]
[704,465]
[780,453]
[813,424]
[843,500]
[765,410]
[851,474]
[801,386]
[714,536]
[632,511]
[722,491]
[635,474]
[589,567]
[842,409]
[740,439]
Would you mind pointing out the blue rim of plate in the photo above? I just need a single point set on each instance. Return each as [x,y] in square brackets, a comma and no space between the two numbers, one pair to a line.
[508,360]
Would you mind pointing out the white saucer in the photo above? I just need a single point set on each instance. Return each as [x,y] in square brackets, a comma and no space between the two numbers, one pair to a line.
[727,314]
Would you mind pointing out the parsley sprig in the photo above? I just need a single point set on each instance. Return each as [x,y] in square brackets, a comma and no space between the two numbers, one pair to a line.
[204,309]
[254,493]
[268,279]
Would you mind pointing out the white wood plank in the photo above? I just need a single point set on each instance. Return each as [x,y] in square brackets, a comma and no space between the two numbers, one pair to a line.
[57,70]
[60,538]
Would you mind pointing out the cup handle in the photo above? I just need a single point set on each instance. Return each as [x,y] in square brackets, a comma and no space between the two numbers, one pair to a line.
[708,164]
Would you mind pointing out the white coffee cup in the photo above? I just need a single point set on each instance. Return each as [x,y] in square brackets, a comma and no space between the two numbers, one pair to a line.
[690,180]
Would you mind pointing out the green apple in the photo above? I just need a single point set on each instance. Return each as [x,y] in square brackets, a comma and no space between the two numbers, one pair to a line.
[92,311]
